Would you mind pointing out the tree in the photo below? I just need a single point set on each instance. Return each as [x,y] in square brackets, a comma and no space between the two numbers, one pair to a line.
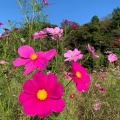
[116,18]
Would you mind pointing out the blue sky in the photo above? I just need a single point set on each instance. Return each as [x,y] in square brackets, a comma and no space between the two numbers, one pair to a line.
[80,11]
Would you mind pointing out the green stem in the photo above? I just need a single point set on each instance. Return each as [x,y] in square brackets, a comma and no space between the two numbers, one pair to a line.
[86,58]
[68,83]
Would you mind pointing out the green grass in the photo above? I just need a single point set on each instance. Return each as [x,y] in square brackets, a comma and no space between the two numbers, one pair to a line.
[78,108]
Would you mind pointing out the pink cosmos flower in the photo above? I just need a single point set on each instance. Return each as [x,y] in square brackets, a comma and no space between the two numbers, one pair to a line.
[56,33]
[101,77]
[42,95]
[80,77]
[1,23]
[66,21]
[45,2]
[100,88]
[112,57]
[108,52]
[55,37]
[33,59]
[97,106]
[98,85]
[74,26]
[40,34]
[3,62]
[92,50]
[73,55]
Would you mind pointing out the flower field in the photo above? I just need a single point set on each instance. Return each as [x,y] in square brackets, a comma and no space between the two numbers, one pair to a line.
[47,76]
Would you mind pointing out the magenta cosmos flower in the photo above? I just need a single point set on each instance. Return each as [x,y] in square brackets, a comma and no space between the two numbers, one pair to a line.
[42,95]
[45,2]
[73,55]
[80,77]
[112,57]
[74,26]
[33,59]
[66,21]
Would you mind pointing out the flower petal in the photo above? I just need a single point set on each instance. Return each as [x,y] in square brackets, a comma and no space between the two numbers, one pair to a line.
[78,67]
[56,91]
[40,80]
[44,108]
[19,61]
[76,52]
[67,55]
[48,54]
[30,103]
[86,79]
[30,66]
[41,63]
[51,78]
[57,105]
[25,51]
[70,52]
[30,87]
[82,87]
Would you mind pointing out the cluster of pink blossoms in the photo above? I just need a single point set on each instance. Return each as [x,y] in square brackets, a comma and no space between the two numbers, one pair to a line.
[55,33]
[78,72]
[42,94]
[100,88]
[73,25]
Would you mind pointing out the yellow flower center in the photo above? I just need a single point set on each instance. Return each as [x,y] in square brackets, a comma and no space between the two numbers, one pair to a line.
[42,94]
[72,55]
[54,31]
[78,74]
[33,56]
